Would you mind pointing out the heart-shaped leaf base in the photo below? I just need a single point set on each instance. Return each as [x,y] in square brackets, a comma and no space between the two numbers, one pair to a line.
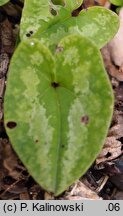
[57,109]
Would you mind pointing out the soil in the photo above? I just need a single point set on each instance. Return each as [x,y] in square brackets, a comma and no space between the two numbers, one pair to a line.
[104,179]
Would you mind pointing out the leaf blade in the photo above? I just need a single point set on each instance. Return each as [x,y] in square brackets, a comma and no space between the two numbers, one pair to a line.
[33,135]
[82,119]
[92,23]
[56,124]
[34,15]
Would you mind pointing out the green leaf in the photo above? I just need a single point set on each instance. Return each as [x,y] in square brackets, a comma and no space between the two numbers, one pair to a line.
[58,2]
[117,2]
[72,4]
[2,2]
[68,3]
[97,23]
[57,109]
[36,13]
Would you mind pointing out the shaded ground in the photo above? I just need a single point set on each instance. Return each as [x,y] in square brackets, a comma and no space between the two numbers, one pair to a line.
[104,180]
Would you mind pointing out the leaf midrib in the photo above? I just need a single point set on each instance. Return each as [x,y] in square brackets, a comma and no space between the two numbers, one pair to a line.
[59,142]
[59,136]
[53,25]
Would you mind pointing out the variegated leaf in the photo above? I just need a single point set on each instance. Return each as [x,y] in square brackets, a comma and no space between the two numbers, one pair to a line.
[97,23]
[93,23]
[57,109]
[73,4]
[37,13]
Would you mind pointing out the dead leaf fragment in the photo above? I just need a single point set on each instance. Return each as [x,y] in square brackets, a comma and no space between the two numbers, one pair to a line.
[116,131]
[110,67]
[118,195]
[118,117]
[83,191]
[116,45]
[110,151]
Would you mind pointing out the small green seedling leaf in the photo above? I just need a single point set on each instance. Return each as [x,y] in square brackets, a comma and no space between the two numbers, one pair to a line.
[117,2]
[97,23]
[35,14]
[2,2]
[93,23]
[57,109]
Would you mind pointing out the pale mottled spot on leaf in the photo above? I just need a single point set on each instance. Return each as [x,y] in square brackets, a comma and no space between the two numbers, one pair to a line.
[58,34]
[75,129]
[31,84]
[74,29]
[103,18]
[81,83]
[77,135]
[30,93]
[90,29]
[40,128]
[71,56]
[36,58]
